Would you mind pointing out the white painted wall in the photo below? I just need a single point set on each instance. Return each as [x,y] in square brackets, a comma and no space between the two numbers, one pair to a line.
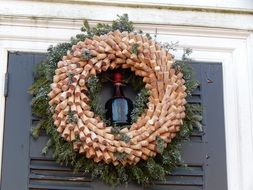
[218,37]
[228,4]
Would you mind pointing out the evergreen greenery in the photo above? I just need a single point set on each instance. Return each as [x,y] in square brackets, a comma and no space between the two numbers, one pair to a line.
[94,87]
[122,136]
[120,155]
[144,172]
[160,144]
[134,48]
[86,55]
[140,104]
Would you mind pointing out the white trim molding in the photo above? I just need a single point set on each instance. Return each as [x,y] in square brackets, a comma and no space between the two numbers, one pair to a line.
[208,4]
[92,10]
[231,44]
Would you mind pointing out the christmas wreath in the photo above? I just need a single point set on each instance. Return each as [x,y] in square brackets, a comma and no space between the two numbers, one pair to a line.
[66,101]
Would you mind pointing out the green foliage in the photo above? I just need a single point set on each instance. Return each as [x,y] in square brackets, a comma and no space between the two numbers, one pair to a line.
[115,130]
[134,48]
[155,170]
[137,174]
[86,27]
[78,38]
[71,117]
[122,24]
[160,144]
[193,118]
[86,55]
[121,136]
[35,132]
[136,83]
[120,155]
[170,45]
[144,172]
[186,69]
[101,29]
[95,87]
[148,36]
[70,78]
[55,54]
[193,112]
[140,104]
[46,147]
[186,54]
[124,137]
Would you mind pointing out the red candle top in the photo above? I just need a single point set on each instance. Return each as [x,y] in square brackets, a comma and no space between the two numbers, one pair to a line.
[117,77]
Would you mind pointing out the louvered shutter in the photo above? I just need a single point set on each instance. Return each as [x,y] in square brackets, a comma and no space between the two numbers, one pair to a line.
[204,154]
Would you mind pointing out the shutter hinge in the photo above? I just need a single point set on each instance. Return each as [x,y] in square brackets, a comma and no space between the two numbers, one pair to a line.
[6,84]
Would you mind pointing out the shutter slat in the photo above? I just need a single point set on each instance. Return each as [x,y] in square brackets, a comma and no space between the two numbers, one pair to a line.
[176,187]
[34,176]
[57,186]
[47,164]
[190,170]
